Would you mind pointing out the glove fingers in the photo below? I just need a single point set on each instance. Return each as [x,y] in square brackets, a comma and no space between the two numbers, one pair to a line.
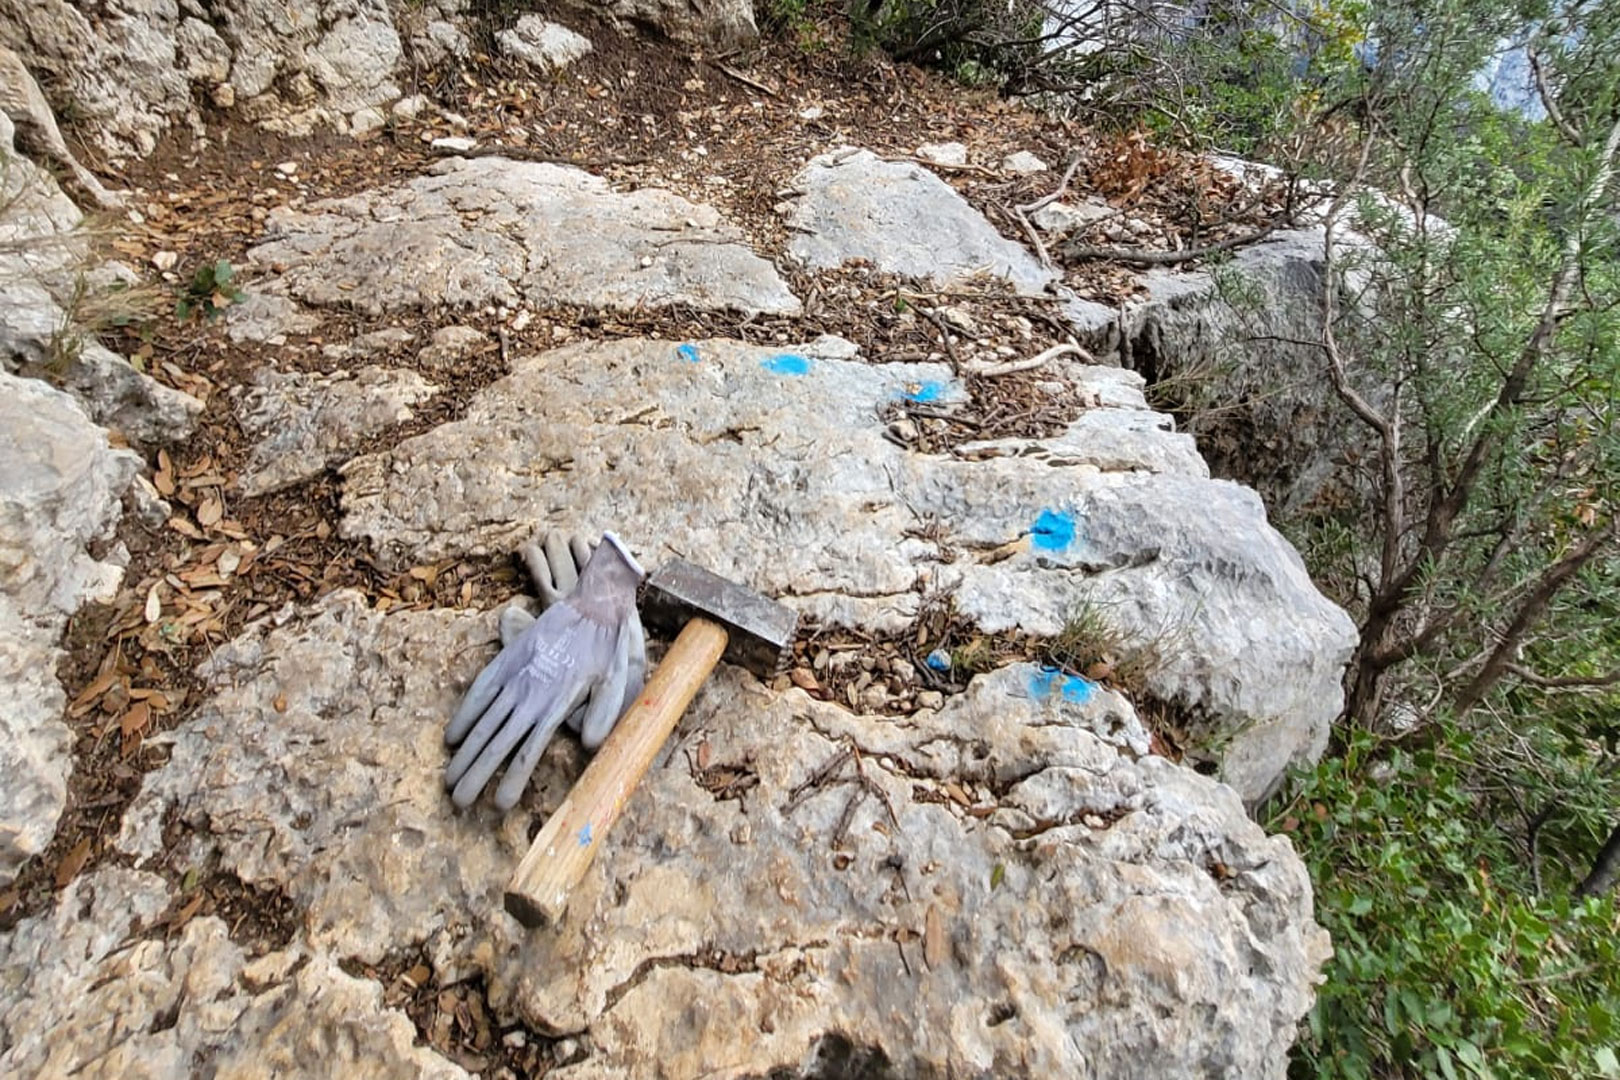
[479,695]
[542,712]
[514,620]
[581,549]
[564,573]
[492,719]
[523,765]
[607,695]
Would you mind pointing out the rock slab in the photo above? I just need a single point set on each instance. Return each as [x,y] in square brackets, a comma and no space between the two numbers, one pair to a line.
[60,490]
[851,204]
[773,462]
[492,231]
[1011,893]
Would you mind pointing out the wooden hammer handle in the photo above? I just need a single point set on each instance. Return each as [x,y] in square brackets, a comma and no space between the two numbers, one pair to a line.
[538,892]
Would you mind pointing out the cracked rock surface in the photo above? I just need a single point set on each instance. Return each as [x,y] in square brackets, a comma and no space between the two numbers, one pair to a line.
[60,490]
[303,421]
[96,989]
[1069,909]
[731,456]
[493,231]
[851,204]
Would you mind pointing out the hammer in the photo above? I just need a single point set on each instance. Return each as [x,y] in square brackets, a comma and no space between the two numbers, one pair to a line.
[718,619]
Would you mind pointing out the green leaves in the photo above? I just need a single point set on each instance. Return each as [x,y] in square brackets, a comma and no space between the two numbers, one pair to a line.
[210,292]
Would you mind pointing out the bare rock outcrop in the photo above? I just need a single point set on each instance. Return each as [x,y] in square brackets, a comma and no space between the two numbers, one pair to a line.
[774,463]
[1007,892]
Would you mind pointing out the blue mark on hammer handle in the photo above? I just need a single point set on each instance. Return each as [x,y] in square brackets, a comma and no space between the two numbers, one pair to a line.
[585,836]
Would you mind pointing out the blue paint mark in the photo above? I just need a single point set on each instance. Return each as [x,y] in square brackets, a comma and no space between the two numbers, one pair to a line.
[925,392]
[786,364]
[939,660]
[1052,531]
[1074,689]
[585,836]
[688,353]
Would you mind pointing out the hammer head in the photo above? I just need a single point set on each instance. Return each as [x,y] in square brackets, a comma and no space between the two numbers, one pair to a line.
[761,629]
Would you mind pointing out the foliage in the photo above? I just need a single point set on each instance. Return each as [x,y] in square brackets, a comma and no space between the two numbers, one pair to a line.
[210,292]
[1446,962]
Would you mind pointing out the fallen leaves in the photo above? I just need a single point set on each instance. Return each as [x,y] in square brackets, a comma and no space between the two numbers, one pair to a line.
[72,862]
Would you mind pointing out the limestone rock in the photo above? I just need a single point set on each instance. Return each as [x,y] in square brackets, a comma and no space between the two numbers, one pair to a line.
[1094,915]
[716,24]
[1064,218]
[851,204]
[1023,163]
[42,264]
[544,46]
[303,422]
[98,989]
[23,103]
[60,490]
[450,344]
[489,230]
[729,455]
[1237,328]
[267,318]
[133,70]
[949,153]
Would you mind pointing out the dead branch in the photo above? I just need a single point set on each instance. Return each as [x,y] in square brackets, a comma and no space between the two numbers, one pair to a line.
[1167,258]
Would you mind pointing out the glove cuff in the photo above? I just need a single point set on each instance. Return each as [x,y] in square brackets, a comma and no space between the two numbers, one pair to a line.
[624,552]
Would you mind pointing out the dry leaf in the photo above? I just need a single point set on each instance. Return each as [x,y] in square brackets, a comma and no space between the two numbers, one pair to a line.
[934,943]
[135,720]
[87,697]
[163,479]
[418,975]
[804,680]
[184,915]
[185,528]
[229,560]
[427,575]
[280,703]
[154,604]
[210,512]
[954,790]
[72,863]
[703,754]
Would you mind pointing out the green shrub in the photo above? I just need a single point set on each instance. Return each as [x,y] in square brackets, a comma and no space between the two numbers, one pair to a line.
[1447,963]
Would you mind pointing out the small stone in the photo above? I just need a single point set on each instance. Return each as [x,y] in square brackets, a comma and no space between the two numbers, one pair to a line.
[165,260]
[366,120]
[939,660]
[458,144]
[223,95]
[902,670]
[565,1049]
[950,153]
[407,108]
[287,168]
[515,1040]
[874,697]
[930,699]
[814,112]
[1023,163]
[905,430]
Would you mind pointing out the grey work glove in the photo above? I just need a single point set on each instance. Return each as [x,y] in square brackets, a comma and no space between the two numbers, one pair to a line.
[585,655]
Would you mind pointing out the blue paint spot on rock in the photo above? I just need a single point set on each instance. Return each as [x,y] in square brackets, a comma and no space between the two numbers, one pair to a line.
[939,660]
[925,392]
[1052,531]
[688,353]
[585,836]
[1049,682]
[786,364]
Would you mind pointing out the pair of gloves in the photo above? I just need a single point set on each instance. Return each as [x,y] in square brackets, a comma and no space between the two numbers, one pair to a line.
[582,661]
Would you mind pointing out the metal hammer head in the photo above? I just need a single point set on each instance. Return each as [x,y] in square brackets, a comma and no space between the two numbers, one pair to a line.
[761,629]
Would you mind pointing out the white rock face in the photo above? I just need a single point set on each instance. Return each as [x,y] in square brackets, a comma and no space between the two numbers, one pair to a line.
[544,46]
[851,204]
[488,230]
[304,422]
[98,989]
[1064,218]
[60,489]
[949,153]
[718,24]
[773,464]
[1240,326]
[41,258]
[1094,915]
[135,69]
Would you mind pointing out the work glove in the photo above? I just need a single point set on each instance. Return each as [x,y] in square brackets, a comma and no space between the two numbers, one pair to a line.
[585,656]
